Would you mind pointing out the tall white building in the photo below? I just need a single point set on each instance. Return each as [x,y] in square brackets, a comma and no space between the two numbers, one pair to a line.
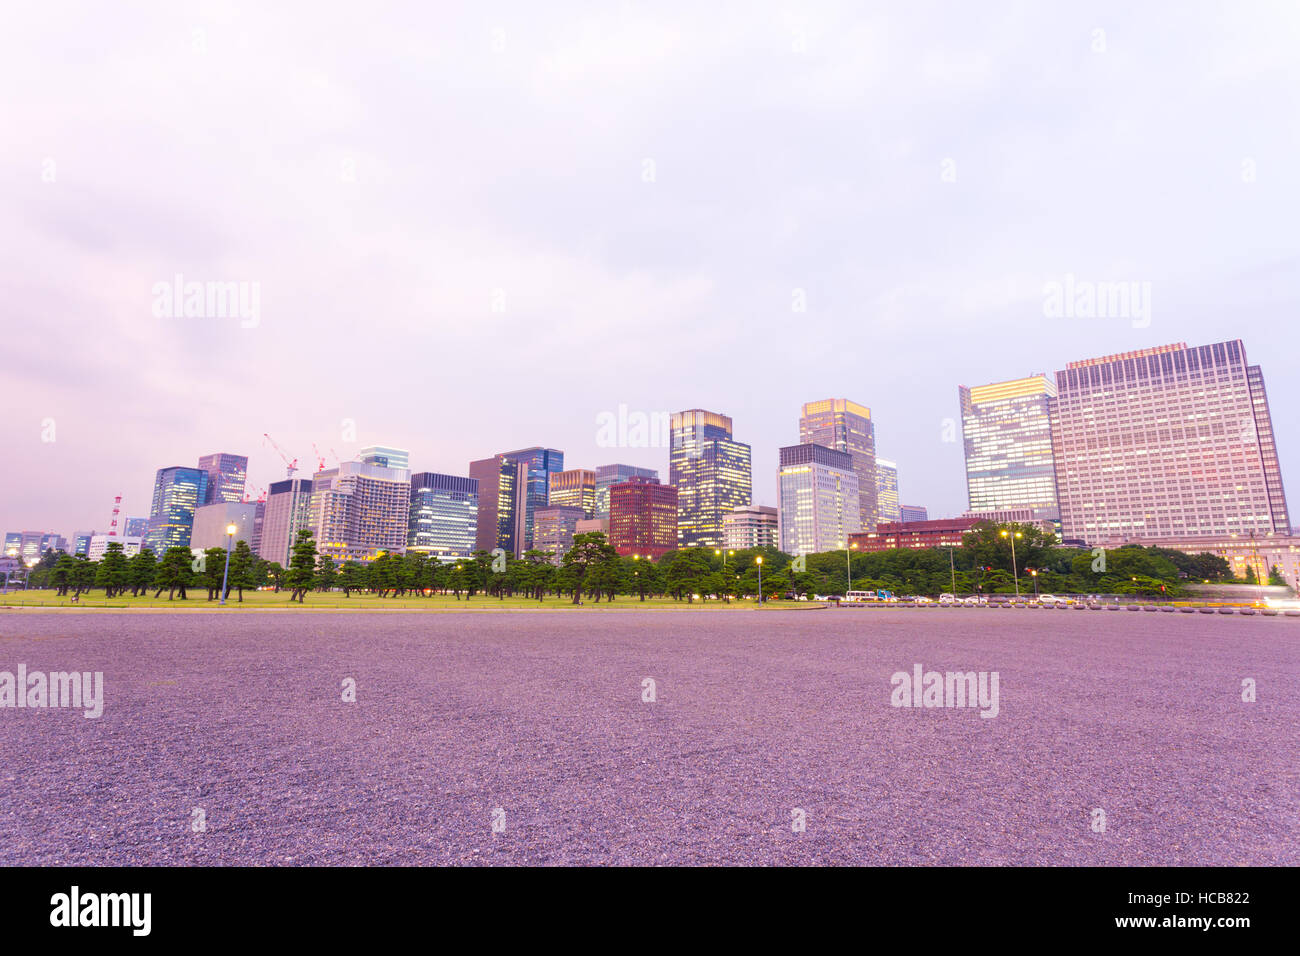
[820,504]
[751,526]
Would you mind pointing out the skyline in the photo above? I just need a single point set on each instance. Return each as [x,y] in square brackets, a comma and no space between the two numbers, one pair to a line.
[307,470]
[1002,154]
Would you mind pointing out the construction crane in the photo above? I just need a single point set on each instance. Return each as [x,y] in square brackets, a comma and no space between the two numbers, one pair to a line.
[117,508]
[290,466]
[320,459]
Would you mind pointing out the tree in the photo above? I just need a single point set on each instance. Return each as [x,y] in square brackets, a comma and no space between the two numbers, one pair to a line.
[352,577]
[143,567]
[302,565]
[326,574]
[61,575]
[243,569]
[83,575]
[173,573]
[275,573]
[589,549]
[114,572]
[214,569]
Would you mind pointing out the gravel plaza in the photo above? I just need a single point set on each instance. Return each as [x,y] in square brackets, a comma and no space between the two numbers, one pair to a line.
[530,738]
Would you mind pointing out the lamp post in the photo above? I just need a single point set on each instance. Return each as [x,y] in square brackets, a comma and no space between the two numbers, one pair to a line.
[225,576]
[848,569]
[1014,572]
[13,553]
[952,569]
[1034,572]
[759,561]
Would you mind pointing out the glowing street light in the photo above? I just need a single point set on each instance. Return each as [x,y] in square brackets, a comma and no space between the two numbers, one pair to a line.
[225,576]
[759,561]
[1008,534]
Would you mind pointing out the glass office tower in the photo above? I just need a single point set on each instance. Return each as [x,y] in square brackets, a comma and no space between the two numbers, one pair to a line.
[847,426]
[1007,435]
[712,473]
[444,515]
[177,492]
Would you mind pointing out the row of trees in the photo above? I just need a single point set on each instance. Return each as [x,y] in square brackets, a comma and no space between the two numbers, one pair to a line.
[592,570]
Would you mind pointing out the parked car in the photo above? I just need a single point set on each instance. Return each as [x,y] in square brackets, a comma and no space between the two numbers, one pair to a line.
[1053,599]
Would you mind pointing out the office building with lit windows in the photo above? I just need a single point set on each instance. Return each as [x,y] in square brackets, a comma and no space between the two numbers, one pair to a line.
[846,426]
[501,485]
[753,526]
[444,515]
[538,464]
[1007,439]
[913,513]
[888,506]
[575,488]
[917,535]
[609,475]
[643,517]
[177,494]
[553,529]
[1168,442]
[820,504]
[712,473]
[288,508]
[359,510]
[227,475]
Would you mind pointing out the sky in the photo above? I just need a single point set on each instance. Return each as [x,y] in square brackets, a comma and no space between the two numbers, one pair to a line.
[478,227]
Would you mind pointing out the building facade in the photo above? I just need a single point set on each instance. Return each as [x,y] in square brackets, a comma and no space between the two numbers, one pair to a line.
[889,535]
[889,505]
[554,528]
[177,494]
[846,426]
[712,473]
[501,485]
[99,544]
[444,515]
[385,457]
[575,488]
[1007,439]
[538,464]
[913,513]
[643,517]
[820,502]
[609,475]
[227,475]
[753,526]
[288,508]
[1166,442]
[135,527]
[211,521]
[360,510]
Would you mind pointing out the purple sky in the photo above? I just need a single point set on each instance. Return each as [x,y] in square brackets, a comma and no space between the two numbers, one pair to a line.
[919,172]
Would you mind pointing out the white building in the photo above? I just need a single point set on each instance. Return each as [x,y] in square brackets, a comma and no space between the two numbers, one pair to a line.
[819,500]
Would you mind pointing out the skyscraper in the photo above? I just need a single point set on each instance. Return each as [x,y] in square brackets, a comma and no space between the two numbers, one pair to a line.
[539,464]
[360,510]
[211,522]
[608,475]
[643,517]
[914,513]
[444,515]
[288,508]
[177,493]
[712,473]
[135,527]
[575,488]
[1166,442]
[820,503]
[226,477]
[501,485]
[888,507]
[1007,433]
[846,426]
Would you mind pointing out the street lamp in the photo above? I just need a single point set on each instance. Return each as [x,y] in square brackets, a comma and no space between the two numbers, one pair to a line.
[1034,572]
[1015,573]
[225,576]
[848,568]
[759,561]
[13,553]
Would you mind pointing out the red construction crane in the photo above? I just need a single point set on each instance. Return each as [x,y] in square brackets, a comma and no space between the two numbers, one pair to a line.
[117,508]
[320,459]
[290,466]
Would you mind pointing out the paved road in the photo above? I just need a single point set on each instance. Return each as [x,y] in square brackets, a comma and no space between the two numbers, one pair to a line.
[756,714]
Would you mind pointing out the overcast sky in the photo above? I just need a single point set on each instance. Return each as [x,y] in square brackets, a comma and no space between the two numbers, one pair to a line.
[477,227]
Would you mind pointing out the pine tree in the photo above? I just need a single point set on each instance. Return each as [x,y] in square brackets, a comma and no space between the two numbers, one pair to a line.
[302,565]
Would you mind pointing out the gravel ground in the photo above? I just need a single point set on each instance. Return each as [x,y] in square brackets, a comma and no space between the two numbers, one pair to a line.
[756,714]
